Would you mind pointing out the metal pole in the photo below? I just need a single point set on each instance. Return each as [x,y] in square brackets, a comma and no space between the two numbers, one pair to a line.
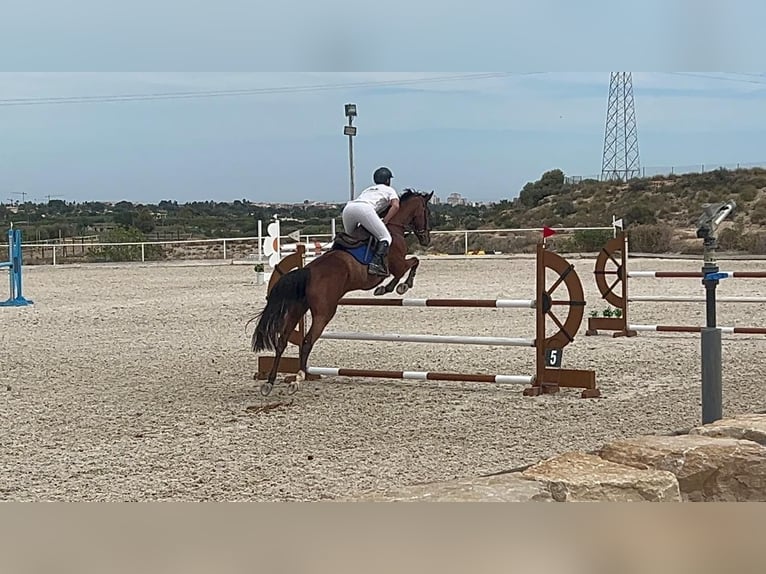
[351,159]
[710,340]
[350,131]
[10,260]
[260,240]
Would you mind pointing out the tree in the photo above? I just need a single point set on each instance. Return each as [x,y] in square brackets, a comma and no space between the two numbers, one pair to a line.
[551,183]
[144,221]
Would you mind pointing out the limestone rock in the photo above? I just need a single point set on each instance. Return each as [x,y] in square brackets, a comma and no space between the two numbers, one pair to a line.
[509,487]
[747,427]
[707,468]
[580,477]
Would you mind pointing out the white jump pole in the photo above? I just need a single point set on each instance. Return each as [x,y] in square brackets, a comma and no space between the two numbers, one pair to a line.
[444,339]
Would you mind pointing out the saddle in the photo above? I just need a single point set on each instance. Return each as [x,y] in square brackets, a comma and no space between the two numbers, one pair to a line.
[360,237]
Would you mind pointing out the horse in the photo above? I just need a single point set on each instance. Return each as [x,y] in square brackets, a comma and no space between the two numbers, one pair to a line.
[322,283]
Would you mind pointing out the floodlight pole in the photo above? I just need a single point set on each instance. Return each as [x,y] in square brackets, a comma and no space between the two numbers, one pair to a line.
[350,131]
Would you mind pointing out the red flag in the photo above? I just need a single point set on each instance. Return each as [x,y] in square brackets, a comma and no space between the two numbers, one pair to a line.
[547,232]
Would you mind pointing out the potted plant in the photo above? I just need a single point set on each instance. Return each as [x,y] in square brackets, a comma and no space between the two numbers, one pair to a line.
[609,320]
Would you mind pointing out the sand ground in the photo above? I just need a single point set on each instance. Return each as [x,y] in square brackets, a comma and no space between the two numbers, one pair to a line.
[134,382]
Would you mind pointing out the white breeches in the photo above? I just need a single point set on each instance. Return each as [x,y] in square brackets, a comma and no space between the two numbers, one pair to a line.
[358,213]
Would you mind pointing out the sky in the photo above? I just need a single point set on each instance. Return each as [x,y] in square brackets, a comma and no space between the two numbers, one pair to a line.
[473,133]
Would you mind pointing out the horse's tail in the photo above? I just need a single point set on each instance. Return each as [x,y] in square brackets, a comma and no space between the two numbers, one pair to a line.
[287,293]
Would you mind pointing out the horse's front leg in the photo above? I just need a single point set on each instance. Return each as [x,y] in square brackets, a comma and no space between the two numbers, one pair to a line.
[411,264]
[388,287]
[398,266]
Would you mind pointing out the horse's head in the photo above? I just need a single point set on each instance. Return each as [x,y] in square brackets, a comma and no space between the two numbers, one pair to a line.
[417,216]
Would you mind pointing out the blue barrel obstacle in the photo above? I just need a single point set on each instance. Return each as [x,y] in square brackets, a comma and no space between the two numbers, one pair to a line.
[14,267]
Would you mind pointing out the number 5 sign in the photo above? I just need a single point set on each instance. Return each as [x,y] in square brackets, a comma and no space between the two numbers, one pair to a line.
[553,357]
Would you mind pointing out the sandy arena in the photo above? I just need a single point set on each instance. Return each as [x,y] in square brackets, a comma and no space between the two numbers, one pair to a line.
[135,382]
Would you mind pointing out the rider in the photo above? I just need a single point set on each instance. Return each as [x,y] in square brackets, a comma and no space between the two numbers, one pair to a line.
[365,210]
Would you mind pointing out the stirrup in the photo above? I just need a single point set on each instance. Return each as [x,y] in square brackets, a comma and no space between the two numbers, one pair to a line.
[375,269]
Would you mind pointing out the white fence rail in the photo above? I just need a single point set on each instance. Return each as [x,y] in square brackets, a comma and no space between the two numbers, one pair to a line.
[253,245]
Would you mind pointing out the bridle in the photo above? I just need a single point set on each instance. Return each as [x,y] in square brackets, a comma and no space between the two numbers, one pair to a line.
[420,233]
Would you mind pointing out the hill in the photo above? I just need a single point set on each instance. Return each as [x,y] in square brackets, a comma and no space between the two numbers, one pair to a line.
[660,212]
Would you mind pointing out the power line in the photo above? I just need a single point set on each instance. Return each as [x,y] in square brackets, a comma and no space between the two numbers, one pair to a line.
[118,98]
[722,78]
[252,91]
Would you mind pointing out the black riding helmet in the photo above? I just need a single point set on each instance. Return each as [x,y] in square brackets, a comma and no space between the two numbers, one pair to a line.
[382,175]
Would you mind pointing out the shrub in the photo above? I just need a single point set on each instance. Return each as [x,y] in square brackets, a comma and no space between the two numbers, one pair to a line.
[758,214]
[656,238]
[586,241]
[748,192]
[564,207]
[640,215]
[114,253]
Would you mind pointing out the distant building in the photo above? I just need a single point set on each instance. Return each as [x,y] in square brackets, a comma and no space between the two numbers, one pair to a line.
[456,199]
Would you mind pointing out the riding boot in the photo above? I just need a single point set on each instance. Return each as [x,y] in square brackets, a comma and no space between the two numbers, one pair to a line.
[378,264]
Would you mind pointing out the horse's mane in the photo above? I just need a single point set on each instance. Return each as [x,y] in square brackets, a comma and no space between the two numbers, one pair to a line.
[409,194]
[406,195]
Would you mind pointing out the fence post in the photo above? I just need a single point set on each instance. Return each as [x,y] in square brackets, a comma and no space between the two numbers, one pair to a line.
[143,253]
[224,250]
[54,253]
[466,244]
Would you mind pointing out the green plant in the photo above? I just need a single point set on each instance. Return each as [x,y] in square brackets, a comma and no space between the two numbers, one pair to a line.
[608,312]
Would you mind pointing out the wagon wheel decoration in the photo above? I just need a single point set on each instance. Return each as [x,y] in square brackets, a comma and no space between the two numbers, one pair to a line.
[575,302]
[611,292]
[287,264]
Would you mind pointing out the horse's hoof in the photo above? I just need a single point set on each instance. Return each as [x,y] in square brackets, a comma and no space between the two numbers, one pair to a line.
[402,288]
[379,291]
[266,389]
[292,388]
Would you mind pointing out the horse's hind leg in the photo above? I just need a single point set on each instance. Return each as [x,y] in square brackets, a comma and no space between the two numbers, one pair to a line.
[321,315]
[291,320]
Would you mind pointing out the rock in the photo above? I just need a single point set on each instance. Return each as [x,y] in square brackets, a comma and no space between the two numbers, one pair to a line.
[509,487]
[747,427]
[580,477]
[707,468]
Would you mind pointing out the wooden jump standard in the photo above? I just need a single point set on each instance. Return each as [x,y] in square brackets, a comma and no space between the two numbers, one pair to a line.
[616,294]
[545,380]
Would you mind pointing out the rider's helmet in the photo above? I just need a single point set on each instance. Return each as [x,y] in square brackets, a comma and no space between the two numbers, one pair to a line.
[382,175]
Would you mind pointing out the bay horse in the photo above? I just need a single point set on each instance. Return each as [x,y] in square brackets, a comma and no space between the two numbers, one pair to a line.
[323,282]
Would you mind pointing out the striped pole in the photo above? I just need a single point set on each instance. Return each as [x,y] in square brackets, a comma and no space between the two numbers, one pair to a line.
[496,303]
[691,329]
[443,339]
[693,299]
[697,274]
[421,376]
